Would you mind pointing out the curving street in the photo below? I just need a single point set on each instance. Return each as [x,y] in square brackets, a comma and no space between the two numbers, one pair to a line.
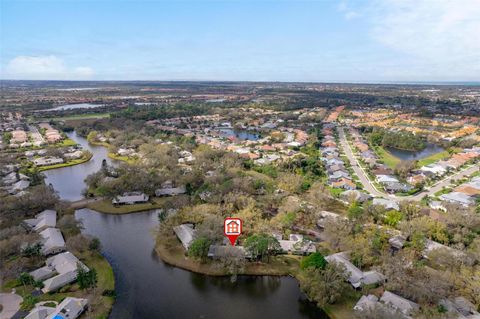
[371,189]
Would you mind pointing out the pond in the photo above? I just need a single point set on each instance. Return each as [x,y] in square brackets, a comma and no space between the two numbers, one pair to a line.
[148,288]
[68,181]
[404,155]
[75,106]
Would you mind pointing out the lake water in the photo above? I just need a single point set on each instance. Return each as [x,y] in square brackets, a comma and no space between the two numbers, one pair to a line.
[239,134]
[75,106]
[148,288]
[69,181]
[430,149]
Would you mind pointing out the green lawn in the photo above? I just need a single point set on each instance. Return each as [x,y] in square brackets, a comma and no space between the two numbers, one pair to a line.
[69,163]
[77,117]
[101,305]
[436,157]
[106,206]
[387,158]
[126,159]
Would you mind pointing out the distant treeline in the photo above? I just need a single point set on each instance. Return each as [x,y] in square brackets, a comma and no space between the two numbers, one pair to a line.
[400,140]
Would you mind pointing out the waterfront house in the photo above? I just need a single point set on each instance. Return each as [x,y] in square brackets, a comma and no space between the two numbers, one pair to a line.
[219,251]
[70,308]
[130,198]
[185,234]
[60,270]
[45,161]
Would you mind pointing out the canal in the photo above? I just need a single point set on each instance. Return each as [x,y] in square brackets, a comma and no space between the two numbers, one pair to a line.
[148,288]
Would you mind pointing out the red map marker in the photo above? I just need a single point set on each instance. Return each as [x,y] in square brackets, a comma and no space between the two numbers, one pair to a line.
[232,228]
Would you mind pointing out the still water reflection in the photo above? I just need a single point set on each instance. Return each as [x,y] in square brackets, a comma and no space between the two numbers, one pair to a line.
[69,181]
[148,288]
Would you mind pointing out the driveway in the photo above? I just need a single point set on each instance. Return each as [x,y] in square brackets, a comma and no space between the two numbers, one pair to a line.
[10,303]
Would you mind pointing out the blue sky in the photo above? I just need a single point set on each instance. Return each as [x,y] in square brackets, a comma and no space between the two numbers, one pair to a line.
[352,41]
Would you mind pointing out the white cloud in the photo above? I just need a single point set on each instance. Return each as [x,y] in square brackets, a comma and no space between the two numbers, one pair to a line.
[44,68]
[443,36]
[348,13]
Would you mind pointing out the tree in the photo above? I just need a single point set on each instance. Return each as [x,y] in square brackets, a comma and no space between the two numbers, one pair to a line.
[324,286]
[211,228]
[32,250]
[392,218]
[354,211]
[95,245]
[315,260]
[199,248]
[260,246]
[233,261]
[86,278]
[26,279]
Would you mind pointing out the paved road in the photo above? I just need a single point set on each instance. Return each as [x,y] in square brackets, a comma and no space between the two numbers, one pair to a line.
[369,187]
[10,303]
[446,182]
[362,175]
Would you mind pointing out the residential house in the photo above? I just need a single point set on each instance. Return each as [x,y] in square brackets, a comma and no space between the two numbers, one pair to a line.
[52,241]
[69,308]
[60,270]
[185,234]
[219,251]
[386,203]
[130,198]
[297,245]
[46,219]
[458,198]
[45,161]
[356,277]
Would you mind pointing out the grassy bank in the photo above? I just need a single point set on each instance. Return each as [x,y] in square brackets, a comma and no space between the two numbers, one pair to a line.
[76,117]
[387,157]
[106,206]
[126,159]
[172,252]
[69,163]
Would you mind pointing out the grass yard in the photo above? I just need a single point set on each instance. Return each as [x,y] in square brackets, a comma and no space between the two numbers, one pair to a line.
[436,157]
[100,305]
[126,159]
[172,252]
[387,158]
[69,163]
[77,117]
[343,309]
[106,206]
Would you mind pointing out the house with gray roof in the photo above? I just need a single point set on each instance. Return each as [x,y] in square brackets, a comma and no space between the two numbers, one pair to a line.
[297,245]
[45,219]
[218,251]
[185,234]
[458,198]
[405,306]
[70,308]
[356,277]
[59,270]
[386,203]
[130,198]
[396,306]
[170,191]
[52,241]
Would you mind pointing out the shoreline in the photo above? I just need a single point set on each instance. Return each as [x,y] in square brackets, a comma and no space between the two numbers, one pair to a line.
[284,265]
[67,164]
